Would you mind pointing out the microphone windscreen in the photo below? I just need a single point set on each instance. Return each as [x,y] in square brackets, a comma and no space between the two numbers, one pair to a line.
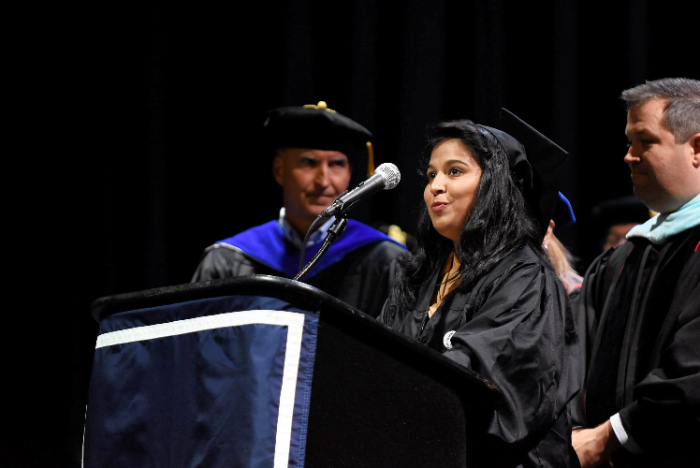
[391,175]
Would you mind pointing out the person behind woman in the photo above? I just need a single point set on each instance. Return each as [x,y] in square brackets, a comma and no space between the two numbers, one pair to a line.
[559,256]
[480,290]
[561,259]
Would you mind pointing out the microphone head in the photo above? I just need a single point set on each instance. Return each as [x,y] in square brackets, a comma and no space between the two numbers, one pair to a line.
[390,173]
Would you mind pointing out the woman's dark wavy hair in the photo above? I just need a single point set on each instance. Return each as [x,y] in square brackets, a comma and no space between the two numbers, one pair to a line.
[499,223]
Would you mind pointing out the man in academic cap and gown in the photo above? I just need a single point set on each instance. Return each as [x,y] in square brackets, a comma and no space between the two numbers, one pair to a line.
[639,309]
[315,150]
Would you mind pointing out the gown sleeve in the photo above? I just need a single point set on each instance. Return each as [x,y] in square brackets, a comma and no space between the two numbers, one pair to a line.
[522,337]
[587,308]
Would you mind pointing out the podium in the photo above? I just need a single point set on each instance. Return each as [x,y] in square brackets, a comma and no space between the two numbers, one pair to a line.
[264,371]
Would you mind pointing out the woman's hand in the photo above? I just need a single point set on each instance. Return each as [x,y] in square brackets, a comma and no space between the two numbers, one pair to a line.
[594,447]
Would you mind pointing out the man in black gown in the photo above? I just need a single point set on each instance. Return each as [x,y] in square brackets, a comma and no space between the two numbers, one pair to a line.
[315,150]
[639,310]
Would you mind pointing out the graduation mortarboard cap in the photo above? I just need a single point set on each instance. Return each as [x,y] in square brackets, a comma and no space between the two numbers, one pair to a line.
[537,161]
[318,127]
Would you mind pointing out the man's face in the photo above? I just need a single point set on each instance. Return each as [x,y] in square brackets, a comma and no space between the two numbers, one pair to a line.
[311,179]
[662,170]
[617,235]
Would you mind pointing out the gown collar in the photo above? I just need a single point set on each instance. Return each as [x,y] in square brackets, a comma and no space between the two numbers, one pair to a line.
[298,241]
[660,228]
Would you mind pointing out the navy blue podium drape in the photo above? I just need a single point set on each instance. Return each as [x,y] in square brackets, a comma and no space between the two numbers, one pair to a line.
[224,381]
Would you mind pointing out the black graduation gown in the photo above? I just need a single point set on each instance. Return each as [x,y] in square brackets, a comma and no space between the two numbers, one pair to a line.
[643,358]
[515,328]
[362,278]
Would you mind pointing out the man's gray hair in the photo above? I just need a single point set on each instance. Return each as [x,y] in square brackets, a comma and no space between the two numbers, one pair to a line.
[682,110]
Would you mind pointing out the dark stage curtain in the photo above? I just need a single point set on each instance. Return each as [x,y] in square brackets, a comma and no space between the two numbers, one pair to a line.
[148,143]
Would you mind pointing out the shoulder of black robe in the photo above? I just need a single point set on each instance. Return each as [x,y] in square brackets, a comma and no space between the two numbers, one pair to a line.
[515,328]
[225,261]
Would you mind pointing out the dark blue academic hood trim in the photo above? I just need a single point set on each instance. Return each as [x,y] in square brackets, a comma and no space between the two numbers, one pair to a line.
[266,244]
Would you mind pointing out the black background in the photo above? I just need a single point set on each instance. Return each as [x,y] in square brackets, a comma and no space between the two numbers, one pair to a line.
[141,138]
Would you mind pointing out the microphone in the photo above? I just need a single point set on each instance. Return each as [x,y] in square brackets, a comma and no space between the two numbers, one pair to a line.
[385,177]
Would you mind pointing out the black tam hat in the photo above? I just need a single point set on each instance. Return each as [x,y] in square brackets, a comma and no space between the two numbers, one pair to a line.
[537,162]
[620,210]
[318,127]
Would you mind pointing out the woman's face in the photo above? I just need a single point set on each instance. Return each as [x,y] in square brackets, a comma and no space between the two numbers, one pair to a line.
[453,177]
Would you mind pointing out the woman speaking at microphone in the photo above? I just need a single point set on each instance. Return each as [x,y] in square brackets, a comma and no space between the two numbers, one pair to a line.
[480,290]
